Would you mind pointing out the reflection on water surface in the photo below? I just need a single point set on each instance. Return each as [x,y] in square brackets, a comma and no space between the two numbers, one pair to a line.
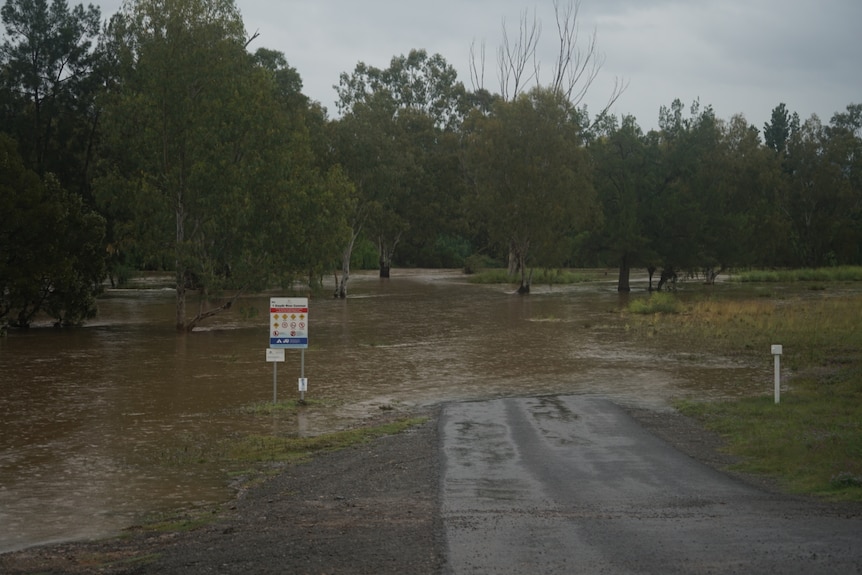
[91,419]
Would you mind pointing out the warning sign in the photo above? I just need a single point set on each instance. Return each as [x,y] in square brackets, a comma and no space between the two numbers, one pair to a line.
[288,319]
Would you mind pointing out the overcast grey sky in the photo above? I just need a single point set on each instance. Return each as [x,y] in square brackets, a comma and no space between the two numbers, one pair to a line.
[740,56]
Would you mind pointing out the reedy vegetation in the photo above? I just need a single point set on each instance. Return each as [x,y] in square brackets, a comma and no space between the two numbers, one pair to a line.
[812,440]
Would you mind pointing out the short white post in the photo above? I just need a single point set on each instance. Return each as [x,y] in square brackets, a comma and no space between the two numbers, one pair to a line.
[776,353]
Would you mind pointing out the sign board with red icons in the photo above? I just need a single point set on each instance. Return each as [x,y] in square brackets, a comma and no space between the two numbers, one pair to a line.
[288,323]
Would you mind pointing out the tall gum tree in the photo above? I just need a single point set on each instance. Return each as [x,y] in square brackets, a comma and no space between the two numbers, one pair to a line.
[531,180]
[574,71]
[622,163]
[48,56]
[386,114]
[212,170]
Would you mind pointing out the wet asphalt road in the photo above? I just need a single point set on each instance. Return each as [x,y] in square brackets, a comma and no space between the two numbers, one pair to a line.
[571,484]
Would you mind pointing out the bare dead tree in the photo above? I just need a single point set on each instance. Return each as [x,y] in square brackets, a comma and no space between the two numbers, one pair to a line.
[514,58]
[574,71]
[477,67]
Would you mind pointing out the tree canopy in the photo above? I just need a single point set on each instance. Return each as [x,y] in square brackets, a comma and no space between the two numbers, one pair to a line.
[166,139]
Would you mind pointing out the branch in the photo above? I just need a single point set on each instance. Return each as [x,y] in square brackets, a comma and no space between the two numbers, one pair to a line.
[513,59]
[252,39]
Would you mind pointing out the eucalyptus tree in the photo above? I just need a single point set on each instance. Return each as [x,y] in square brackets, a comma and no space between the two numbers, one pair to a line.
[207,166]
[530,179]
[747,228]
[388,115]
[623,177]
[845,150]
[573,73]
[47,59]
[677,210]
[817,196]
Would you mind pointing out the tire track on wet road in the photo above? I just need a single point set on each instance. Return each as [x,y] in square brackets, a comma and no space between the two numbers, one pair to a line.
[572,484]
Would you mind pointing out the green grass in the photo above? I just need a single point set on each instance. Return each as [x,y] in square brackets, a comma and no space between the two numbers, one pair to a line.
[657,302]
[540,277]
[828,275]
[812,440]
[289,407]
[254,454]
[251,449]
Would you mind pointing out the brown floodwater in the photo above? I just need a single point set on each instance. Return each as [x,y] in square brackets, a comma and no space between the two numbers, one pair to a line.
[97,424]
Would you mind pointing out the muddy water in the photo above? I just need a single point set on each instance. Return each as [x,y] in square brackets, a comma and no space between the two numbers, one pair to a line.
[91,419]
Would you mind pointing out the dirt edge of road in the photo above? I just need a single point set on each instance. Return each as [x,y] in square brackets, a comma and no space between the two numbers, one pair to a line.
[369,508]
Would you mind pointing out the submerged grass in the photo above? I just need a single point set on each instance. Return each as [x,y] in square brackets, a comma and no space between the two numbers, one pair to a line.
[812,440]
[252,454]
[268,448]
[248,459]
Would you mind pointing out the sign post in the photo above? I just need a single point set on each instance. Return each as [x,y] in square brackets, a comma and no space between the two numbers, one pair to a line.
[288,319]
[274,356]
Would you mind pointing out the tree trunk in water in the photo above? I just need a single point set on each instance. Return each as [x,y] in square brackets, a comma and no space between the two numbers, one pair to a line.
[667,275]
[526,279]
[385,253]
[181,270]
[651,272]
[341,287]
[625,272]
[181,300]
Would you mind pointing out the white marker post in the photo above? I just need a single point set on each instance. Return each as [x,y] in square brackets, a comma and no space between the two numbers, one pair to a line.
[274,356]
[776,353]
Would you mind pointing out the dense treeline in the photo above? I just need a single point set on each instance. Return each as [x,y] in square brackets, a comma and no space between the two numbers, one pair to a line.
[163,138]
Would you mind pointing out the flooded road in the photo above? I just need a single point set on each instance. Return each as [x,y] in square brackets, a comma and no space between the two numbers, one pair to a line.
[91,418]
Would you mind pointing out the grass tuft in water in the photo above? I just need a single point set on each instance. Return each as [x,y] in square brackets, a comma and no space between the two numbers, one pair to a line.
[657,302]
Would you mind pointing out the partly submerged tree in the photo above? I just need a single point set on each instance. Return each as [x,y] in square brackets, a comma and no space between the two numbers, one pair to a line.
[207,162]
[388,116]
[51,247]
[623,176]
[530,179]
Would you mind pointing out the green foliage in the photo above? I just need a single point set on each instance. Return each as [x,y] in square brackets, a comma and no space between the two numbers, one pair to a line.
[493,276]
[51,257]
[208,159]
[49,87]
[364,256]
[532,179]
[477,263]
